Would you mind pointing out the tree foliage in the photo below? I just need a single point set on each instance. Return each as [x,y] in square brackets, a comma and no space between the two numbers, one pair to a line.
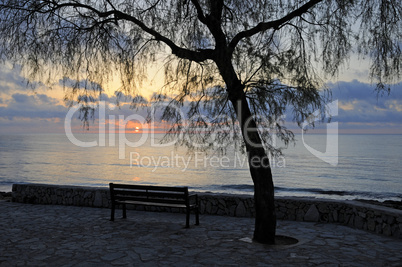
[277,47]
[280,49]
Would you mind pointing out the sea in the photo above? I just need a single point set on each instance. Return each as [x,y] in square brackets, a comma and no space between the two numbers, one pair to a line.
[340,167]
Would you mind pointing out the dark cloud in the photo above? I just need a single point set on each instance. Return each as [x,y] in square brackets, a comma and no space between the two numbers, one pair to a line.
[44,99]
[20,98]
[360,106]
[45,107]
[359,103]
[106,98]
[362,91]
[32,106]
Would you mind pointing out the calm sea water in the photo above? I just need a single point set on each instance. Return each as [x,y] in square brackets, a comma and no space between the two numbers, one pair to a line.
[368,166]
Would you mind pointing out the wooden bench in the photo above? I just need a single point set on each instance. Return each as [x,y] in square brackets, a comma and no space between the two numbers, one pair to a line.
[160,196]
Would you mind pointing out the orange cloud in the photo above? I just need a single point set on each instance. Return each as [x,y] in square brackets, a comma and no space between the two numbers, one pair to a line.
[347,105]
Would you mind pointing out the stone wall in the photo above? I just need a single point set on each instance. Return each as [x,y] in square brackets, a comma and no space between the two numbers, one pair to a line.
[60,195]
[373,218]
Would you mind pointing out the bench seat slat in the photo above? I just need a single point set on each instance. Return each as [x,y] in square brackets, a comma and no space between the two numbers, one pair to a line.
[151,187]
[150,194]
[146,203]
[154,200]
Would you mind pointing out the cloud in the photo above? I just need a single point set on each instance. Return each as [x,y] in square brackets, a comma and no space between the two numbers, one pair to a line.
[31,113]
[106,98]
[22,112]
[20,98]
[359,103]
[359,90]
[32,106]
[11,80]
[21,108]
[29,125]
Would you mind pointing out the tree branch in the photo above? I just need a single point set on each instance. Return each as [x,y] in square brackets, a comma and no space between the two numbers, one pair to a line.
[200,13]
[197,56]
[151,7]
[275,24]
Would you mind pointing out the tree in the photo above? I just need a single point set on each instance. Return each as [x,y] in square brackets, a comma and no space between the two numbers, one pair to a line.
[252,60]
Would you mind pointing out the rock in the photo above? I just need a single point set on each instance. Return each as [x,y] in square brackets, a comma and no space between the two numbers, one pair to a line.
[322,207]
[335,215]
[359,222]
[240,210]
[300,215]
[386,230]
[98,199]
[390,220]
[312,214]
[362,214]
[371,224]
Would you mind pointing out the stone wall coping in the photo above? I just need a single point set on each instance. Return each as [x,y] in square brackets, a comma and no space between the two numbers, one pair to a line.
[64,186]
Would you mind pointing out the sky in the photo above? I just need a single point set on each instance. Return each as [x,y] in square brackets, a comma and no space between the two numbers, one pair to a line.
[41,110]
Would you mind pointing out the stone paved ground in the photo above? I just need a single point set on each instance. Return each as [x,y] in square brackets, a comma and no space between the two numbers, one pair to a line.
[40,235]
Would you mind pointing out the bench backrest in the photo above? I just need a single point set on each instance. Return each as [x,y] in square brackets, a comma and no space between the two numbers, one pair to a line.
[148,193]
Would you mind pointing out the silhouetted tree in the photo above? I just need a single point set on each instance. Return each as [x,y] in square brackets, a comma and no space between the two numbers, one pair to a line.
[251,60]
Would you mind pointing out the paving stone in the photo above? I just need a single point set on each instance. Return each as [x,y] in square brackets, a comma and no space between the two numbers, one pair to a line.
[51,235]
[113,256]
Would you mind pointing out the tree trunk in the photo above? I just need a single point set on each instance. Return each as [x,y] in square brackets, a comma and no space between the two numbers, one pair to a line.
[264,201]
[260,170]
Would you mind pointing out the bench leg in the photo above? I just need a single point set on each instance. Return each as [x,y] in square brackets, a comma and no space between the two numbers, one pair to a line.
[197,217]
[124,211]
[188,218]
[112,213]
